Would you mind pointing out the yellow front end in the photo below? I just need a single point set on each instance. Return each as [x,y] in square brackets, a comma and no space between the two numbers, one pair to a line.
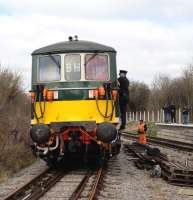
[75,110]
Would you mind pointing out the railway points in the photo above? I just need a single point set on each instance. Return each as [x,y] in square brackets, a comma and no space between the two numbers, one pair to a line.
[172,171]
[184,146]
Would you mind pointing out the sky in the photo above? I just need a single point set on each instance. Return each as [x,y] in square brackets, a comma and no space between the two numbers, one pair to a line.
[150,37]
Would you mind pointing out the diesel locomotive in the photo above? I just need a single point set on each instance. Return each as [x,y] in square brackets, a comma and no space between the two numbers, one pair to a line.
[74,101]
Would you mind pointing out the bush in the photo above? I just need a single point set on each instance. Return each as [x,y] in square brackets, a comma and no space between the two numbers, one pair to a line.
[14,158]
[151,128]
[14,124]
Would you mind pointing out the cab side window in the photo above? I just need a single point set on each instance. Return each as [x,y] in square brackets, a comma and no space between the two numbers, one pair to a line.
[96,67]
[72,67]
[49,68]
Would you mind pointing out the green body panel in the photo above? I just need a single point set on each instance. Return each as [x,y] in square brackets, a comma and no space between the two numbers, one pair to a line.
[75,84]
[64,88]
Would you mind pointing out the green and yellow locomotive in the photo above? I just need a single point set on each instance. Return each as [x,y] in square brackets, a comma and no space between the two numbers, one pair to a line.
[74,100]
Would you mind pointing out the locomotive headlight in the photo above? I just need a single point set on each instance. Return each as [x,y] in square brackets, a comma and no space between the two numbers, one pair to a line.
[33,96]
[55,94]
[91,94]
[101,91]
[114,94]
[96,93]
[45,91]
[50,95]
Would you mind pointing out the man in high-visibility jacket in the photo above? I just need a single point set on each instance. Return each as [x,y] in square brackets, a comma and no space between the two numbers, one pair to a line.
[141,130]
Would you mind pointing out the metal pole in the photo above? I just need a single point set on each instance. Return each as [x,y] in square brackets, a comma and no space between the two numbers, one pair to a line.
[158,116]
[136,116]
[180,119]
[144,115]
[163,116]
[153,116]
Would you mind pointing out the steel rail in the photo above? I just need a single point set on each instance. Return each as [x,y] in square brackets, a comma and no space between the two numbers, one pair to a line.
[38,186]
[174,173]
[93,192]
[80,188]
[163,142]
[78,191]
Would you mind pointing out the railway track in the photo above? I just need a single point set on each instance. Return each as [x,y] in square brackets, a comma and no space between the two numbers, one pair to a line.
[173,172]
[94,187]
[38,186]
[162,142]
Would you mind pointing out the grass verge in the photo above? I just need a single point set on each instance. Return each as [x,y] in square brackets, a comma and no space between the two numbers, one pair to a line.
[13,159]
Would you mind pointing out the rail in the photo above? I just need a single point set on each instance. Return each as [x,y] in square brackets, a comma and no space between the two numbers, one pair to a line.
[82,185]
[173,172]
[38,186]
[163,142]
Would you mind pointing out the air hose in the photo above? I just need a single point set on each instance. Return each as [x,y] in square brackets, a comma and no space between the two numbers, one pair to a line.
[42,111]
[106,111]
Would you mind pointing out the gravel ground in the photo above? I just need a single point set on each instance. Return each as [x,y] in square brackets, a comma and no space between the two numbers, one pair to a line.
[121,181]
[21,178]
[137,184]
[178,156]
[65,187]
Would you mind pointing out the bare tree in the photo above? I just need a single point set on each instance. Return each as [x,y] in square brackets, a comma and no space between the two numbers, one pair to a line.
[139,96]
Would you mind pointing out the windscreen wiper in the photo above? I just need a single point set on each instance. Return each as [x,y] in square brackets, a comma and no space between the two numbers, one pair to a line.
[55,61]
[91,58]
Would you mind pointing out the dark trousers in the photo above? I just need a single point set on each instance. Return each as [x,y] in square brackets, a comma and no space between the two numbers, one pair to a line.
[173,117]
[123,110]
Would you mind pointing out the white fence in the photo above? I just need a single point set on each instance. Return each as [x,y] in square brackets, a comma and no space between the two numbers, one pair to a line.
[153,116]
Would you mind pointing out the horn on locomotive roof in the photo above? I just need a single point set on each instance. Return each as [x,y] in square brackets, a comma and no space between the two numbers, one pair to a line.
[76,37]
[70,38]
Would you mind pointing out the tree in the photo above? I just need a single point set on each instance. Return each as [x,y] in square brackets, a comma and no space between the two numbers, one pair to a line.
[139,96]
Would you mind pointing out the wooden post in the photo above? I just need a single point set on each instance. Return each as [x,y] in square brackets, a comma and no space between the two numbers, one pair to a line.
[139,115]
[133,116]
[148,116]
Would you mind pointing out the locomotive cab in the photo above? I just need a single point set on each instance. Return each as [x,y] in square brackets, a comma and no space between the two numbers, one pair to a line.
[74,100]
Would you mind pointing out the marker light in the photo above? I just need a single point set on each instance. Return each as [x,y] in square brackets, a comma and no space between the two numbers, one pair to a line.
[101,91]
[33,96]
[114,94]
[96,93]
[50,95]
[45,91]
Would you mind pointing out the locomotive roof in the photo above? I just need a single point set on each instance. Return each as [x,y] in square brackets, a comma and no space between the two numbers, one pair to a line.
[74,47]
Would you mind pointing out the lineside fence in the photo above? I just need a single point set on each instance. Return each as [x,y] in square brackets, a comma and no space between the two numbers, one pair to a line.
[157,116]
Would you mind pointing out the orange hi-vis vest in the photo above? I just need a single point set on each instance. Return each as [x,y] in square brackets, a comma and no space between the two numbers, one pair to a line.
[142,136]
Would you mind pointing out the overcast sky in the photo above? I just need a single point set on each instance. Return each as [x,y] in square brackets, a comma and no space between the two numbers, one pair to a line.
[150,36]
